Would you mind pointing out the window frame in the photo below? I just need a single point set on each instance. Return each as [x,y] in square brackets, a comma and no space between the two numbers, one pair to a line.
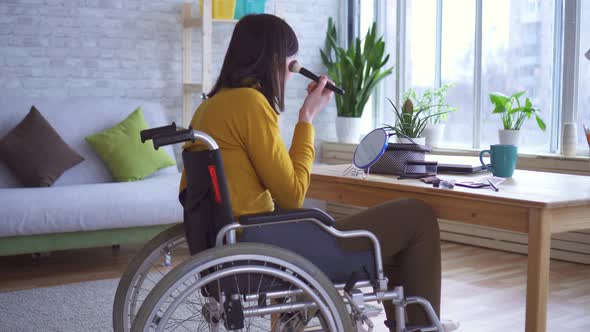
[566,38]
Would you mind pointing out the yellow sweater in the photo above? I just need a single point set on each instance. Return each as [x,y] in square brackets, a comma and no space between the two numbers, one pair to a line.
[257,164]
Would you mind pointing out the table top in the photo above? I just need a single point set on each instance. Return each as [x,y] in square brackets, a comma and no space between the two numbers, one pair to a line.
[525,188]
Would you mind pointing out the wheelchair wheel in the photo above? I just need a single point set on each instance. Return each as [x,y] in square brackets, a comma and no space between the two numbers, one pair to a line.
[245,287]
[146,269]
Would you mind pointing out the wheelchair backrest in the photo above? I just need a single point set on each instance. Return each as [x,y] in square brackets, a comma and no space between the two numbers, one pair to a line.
[206,202]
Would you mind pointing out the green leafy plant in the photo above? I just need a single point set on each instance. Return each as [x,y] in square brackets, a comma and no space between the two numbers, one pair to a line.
[432,97]
[513,112]
[411,122]
[357,70]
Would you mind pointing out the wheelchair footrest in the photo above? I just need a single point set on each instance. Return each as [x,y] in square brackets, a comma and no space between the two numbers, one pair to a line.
[390,324]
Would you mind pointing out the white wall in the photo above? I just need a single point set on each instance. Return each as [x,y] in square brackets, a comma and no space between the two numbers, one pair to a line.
[132,49]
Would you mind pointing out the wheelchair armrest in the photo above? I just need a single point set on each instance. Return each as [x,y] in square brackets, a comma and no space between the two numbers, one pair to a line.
[286,215]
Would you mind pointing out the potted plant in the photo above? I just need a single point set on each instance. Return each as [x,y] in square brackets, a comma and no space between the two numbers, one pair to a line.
[433,102]
[513,115]
[357,70]
[410,122]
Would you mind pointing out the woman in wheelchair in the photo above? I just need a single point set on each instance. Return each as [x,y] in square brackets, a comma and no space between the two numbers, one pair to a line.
[242,115]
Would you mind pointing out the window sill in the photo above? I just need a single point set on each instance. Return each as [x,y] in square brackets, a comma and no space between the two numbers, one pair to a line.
[473,152]
[333,152]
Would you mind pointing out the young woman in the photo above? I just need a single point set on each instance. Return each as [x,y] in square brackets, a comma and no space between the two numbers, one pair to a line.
[242,114]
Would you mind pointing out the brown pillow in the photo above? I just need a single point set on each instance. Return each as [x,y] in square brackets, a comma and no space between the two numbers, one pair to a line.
[35,152]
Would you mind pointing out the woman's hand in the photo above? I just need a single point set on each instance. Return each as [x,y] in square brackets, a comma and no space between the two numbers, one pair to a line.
[316,100]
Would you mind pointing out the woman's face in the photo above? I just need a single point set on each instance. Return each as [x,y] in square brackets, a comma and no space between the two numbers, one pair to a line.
[287,71]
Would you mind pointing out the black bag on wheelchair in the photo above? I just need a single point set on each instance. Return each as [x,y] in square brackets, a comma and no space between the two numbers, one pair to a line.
[207,207]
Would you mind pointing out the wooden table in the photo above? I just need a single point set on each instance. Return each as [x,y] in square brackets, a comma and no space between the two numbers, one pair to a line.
[536,203]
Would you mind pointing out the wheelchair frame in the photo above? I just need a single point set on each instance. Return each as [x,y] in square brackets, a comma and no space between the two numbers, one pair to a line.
[354,296]
[352,293]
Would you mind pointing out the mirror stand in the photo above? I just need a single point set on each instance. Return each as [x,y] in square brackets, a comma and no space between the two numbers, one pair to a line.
[354,171]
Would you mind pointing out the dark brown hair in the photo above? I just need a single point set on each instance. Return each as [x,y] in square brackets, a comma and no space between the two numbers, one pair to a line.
[256,55]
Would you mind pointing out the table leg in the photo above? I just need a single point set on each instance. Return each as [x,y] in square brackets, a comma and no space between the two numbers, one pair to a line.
[538,271]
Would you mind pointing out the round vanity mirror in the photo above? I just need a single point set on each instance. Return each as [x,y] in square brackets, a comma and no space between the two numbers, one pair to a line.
[370,149]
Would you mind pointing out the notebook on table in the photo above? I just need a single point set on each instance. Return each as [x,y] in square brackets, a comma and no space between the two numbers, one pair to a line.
[458,164]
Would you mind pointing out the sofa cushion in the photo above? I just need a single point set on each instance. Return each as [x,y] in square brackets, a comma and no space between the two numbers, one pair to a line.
[121,149]
[35,153]
[90,207]
[75,118]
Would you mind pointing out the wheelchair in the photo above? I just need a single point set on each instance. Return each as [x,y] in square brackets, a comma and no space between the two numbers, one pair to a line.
[277,271]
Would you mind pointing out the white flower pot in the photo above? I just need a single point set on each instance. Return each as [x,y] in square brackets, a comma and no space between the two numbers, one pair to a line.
[509,137]
[434,134]
[348,130]
[417,140]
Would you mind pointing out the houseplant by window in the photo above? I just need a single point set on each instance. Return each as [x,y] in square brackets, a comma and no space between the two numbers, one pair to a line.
[357,70]
[514,113]
[411,121]
[433,102]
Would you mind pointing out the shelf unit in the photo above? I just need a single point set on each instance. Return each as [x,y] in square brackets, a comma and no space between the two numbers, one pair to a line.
[205,22]
[190,22]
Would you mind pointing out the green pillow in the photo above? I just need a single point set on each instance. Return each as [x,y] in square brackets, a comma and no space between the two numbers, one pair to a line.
[121,149]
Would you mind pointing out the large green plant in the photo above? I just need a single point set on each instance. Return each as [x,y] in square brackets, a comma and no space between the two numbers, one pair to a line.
[357,70]
[410,122]
[513,112]
[432,97]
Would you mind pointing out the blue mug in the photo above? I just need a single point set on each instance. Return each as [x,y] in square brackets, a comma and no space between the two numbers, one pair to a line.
[503,159]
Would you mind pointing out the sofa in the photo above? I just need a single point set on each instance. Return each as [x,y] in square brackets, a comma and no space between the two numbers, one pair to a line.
[85,207]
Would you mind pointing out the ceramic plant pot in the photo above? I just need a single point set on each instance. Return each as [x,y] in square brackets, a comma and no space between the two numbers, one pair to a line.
[348,130]
[509,137]
[434,134]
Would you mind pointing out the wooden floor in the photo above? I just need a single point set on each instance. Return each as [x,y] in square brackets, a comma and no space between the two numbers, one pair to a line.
[483,289]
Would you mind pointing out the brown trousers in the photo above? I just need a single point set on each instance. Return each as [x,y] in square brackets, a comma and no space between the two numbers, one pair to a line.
[408,232]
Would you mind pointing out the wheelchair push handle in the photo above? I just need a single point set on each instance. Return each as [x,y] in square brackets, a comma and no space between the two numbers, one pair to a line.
[148,134]
[177,137]
[170,134]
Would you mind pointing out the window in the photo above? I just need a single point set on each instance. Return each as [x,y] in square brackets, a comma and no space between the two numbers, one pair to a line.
[421,43]
[517,54]
[484,46]
[367,17]
[457,61]
[584,78]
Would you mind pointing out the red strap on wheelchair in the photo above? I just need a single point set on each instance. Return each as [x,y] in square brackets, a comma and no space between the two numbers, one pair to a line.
[213,174]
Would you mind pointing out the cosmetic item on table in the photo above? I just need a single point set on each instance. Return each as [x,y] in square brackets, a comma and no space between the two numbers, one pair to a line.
[569,139]
[295,67]
[483,182]
[493,186]
[417,169]
[447,184]
[503,159]
[430,180]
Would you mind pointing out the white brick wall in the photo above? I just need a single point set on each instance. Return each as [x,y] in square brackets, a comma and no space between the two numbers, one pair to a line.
[132,49]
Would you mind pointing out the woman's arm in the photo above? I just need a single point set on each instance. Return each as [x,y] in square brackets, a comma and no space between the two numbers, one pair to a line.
[285,174]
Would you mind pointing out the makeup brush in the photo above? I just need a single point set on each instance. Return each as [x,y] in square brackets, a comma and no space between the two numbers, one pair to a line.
[295,67]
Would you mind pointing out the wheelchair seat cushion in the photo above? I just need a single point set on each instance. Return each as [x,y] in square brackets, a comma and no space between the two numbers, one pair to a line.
[286,215]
